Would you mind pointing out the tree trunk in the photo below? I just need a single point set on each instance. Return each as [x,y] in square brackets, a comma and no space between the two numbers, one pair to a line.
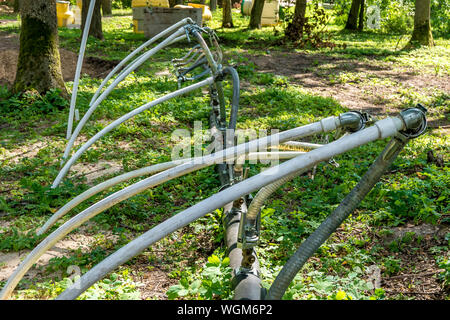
[361,17]
[213,5]
[294,30]
[39,65]
[255,15]
[96,24]
[173,3]
[16,6]
[422,28]
[352,20]
[106,7]
[227,19]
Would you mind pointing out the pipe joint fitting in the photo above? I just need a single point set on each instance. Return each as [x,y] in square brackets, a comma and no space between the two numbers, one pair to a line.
[249,231]
[415,121]
[354,120]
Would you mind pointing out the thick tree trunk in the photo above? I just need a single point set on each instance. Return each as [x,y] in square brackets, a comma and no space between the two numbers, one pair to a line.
[16,6]
[352,20]
[422,28]
[96,24]
[39,65]
[106,7]
[361,16]
[213,5]
[294,30]
[255,15]
[227,18]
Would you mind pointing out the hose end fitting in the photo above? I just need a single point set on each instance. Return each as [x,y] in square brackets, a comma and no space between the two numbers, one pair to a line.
[415,121]
[354,120]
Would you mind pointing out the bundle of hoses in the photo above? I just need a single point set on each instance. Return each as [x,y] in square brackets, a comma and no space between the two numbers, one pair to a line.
[333,221]
[381,129]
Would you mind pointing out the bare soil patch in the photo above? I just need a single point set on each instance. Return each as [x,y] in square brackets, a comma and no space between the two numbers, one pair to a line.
[320,74]
[9,261]
[9,53]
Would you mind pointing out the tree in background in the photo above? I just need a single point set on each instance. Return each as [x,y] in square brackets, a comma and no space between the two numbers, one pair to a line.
[213,5]
[422,27]
[227,18]
[255,15]
[356,10]
[16,6]
[294,29]
[106,7]
[39,65]
[96,23]
[173,3]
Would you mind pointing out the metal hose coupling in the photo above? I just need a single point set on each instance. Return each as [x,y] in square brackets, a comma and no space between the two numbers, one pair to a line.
[354,120]
[415,121]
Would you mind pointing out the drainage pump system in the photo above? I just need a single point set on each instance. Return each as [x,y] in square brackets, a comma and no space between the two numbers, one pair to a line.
[201,67]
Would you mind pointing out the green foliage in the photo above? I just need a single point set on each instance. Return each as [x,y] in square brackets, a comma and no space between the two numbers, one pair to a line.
[412,190]
[391,265]
[212,282]
[121,4]
[397,16]
[31,102]
[118,286]
[13,240]
[319,285]
[440,18]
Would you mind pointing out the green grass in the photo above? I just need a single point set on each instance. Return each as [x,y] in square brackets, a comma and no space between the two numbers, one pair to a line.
[414,191]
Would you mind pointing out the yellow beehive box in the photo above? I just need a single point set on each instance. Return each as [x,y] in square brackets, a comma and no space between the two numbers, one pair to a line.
[63,15]
[150,3]
[138,7]
[206,15]
[269,15]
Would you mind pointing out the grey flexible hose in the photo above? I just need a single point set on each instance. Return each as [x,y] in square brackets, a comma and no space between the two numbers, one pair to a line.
[266,192]
[235,100]
[323,232]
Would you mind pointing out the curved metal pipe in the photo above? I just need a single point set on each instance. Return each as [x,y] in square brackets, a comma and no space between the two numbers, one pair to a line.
[122,119]
[382,129]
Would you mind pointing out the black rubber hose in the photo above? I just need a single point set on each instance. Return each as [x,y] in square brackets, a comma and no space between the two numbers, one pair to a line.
[346,207]
[236,95]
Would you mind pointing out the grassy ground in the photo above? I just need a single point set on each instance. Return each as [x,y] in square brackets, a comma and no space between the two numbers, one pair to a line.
[401,228]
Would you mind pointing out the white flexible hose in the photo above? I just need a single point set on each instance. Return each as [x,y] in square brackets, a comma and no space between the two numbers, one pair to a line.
[103,186]
[116,81]
[122,119]
[222,156]
[381,129]
[76,80]
[143,172]
[136,51]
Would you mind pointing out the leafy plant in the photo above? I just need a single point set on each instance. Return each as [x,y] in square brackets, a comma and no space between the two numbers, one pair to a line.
[212,282]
